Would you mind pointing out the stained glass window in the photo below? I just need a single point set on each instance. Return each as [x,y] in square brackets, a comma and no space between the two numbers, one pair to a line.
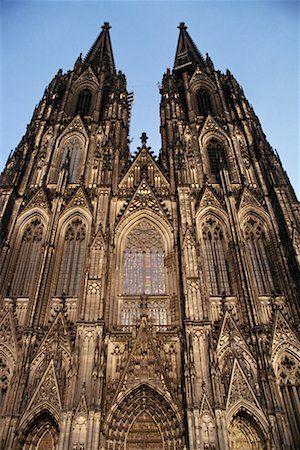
[215,258]
[28,260]
[144,262]
[72,259]
[256,246]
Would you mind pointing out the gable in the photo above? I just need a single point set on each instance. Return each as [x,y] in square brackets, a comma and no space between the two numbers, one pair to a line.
[144,167]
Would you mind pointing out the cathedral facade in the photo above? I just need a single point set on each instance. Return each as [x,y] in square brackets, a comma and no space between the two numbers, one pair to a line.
[148,302]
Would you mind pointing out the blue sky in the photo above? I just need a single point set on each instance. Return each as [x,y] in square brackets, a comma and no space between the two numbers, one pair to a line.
[257,40]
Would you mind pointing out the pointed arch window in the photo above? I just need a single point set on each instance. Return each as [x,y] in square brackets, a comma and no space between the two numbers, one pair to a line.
[216,157]
[288,375]
[143,270]
[215,258]
[28,260]
[84,102]
[71,157]
[203,101]
[257,252]
[73,254]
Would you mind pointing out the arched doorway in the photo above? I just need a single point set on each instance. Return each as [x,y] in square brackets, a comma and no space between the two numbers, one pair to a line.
[41,433]
[144,434]
[245,433]
[144,420]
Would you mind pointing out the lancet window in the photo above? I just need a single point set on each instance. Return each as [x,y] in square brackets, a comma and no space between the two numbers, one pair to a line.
[28,260]
[215,258]
[71,267]
[72,153]
[289,379]
[257,252]
[84,102]
[217,158]
[204,104]
[143,267]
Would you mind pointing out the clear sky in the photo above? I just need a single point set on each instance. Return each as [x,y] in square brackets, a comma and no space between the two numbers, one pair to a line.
[257,40]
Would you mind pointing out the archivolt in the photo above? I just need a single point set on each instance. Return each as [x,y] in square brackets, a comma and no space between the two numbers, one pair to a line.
[148,400]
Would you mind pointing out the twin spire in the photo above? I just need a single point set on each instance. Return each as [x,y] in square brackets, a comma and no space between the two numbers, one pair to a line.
[100,54]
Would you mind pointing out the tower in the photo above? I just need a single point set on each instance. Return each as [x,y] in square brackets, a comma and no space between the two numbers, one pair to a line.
[148,302]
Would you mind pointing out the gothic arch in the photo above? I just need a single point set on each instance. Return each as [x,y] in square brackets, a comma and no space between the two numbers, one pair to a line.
[148,400]
[39,430]
[261,251]
[198,84]
[151,259]
[73,237]
[247,427]
[27,241]
[160,222]
[213,237]
[287,372]
[73,144]
[220,136]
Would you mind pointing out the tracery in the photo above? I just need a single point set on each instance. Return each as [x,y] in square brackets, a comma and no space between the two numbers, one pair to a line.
[215,258]
[144,262]
[72,259]
[257,253]
[28,259]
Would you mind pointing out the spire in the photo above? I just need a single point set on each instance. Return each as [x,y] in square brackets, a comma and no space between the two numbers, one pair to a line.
[101,51]
[187,54]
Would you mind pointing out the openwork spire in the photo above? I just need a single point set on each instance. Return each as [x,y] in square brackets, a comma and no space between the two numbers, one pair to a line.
[187,53]
[100,54]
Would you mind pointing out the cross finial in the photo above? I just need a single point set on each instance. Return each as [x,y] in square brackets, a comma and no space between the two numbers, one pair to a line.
[182,26]
[144,139]
[106,26]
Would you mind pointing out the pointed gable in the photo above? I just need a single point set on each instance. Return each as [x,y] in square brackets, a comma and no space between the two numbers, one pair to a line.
[248,198]
[144,364]
[144,166]
[75,125]
[205,406]
[82,404]
[79,199]
[283,335]
[200,76]
[88,77]
[40,200]
[210,124]
[230,334]
[56,340]
[98,240]
[144,198]
[210,198]
[239,388]
[47,390]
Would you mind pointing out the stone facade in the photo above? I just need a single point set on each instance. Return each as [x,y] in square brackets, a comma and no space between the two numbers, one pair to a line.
[148,302]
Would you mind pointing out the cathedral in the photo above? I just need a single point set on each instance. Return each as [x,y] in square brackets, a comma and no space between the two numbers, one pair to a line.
[148,302]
